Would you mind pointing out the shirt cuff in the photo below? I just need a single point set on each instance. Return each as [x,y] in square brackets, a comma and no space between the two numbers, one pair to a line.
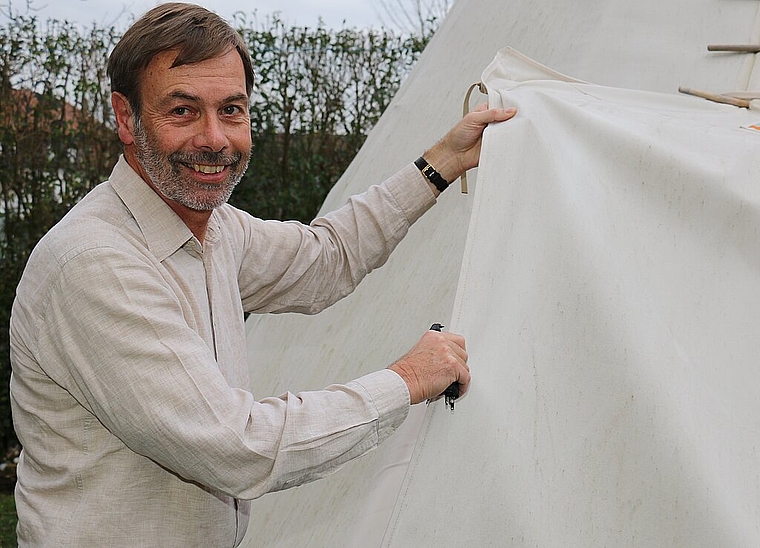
[390,396]
[411,191]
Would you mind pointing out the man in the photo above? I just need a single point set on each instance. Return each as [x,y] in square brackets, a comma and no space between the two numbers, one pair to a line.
[130,390]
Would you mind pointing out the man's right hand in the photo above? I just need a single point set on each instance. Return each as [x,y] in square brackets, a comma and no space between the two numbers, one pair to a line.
[436,361]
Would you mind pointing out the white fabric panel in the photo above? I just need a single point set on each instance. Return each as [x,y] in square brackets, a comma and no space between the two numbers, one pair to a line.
[642,45]
[610,295]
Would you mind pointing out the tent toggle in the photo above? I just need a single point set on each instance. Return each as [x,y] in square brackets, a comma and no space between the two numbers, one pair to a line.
[737,48]
[741,100]
[724,98]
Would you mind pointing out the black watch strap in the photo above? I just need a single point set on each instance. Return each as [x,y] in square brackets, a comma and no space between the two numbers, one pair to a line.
[431,174]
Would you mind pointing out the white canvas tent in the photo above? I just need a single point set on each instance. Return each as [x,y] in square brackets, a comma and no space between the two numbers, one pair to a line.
[605,269]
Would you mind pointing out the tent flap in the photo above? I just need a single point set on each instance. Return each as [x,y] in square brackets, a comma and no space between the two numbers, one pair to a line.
[610,305]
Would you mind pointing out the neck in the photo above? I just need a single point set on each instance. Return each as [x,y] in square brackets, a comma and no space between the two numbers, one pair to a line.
[196,221]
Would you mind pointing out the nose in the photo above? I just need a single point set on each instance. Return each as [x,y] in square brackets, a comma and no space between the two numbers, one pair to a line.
[211,134]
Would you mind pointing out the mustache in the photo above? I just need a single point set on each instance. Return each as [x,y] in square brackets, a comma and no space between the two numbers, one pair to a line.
[206,157]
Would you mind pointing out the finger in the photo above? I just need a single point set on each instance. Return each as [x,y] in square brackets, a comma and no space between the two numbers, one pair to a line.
[487,116]
[463,381]
[459,352]
[455,339]
[455,343]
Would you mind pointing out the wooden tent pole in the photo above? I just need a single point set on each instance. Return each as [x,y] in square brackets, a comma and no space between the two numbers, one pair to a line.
[743,103]
[738,48]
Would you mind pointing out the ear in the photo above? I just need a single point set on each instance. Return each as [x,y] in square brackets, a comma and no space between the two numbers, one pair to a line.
[124,120]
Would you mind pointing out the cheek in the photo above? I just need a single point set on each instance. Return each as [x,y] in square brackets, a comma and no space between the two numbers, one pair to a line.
[242,138]
[171,138]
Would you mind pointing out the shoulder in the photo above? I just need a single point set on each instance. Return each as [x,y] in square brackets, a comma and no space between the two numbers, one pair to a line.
[98,231]
[99,220]
[96,234]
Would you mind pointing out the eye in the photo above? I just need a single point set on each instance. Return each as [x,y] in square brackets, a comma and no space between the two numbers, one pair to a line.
[231,110]
[181,111]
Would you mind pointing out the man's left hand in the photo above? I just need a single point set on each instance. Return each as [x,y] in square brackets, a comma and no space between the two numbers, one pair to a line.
[459,150]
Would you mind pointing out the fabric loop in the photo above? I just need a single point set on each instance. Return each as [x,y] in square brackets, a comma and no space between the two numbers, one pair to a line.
[481,87]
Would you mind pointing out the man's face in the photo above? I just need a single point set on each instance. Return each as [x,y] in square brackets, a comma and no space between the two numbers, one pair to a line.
[192,138]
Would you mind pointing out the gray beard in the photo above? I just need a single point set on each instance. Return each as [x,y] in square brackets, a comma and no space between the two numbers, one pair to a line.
[166,175]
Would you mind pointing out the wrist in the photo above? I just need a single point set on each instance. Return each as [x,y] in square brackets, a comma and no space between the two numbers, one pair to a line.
[444,163]
[410,380]
[432,175]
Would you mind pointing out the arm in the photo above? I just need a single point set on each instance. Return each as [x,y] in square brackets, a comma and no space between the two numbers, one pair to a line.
[291,267]
[440,359]
[295,268]
[122,347]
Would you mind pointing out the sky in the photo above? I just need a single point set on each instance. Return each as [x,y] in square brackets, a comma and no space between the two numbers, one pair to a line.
[355,13]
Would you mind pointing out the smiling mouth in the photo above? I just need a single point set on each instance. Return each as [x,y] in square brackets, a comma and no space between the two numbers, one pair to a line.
[210,170]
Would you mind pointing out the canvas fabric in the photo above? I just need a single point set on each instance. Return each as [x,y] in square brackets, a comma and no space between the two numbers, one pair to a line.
[609,295]
[648,46]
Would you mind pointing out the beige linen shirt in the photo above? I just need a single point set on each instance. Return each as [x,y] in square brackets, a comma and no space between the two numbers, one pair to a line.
[130,388]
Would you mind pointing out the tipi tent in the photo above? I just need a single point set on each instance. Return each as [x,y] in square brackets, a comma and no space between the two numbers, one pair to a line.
[605,269]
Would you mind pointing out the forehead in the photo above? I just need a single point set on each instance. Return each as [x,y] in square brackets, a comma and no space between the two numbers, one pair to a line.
[219,76]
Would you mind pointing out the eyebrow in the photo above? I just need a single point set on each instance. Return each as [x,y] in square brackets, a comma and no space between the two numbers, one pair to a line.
[238,97]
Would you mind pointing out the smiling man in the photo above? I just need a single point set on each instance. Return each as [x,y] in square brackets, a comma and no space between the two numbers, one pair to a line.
[187,132]
[130,391]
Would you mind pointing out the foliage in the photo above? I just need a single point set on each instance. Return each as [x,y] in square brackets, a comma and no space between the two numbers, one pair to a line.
[56,143]
[318,93]
[7,520]
[416,17]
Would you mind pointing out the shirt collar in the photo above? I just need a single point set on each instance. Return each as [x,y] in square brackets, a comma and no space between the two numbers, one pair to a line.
[163,230]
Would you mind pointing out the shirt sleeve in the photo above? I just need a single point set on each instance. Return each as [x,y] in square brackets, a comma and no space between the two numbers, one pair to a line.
[114,335]
[291,267]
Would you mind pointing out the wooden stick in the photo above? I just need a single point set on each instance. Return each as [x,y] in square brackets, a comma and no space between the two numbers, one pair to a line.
[742,103]
[739,48]
[746,95]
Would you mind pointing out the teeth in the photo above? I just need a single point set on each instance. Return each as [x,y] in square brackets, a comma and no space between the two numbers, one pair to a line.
[208,169]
